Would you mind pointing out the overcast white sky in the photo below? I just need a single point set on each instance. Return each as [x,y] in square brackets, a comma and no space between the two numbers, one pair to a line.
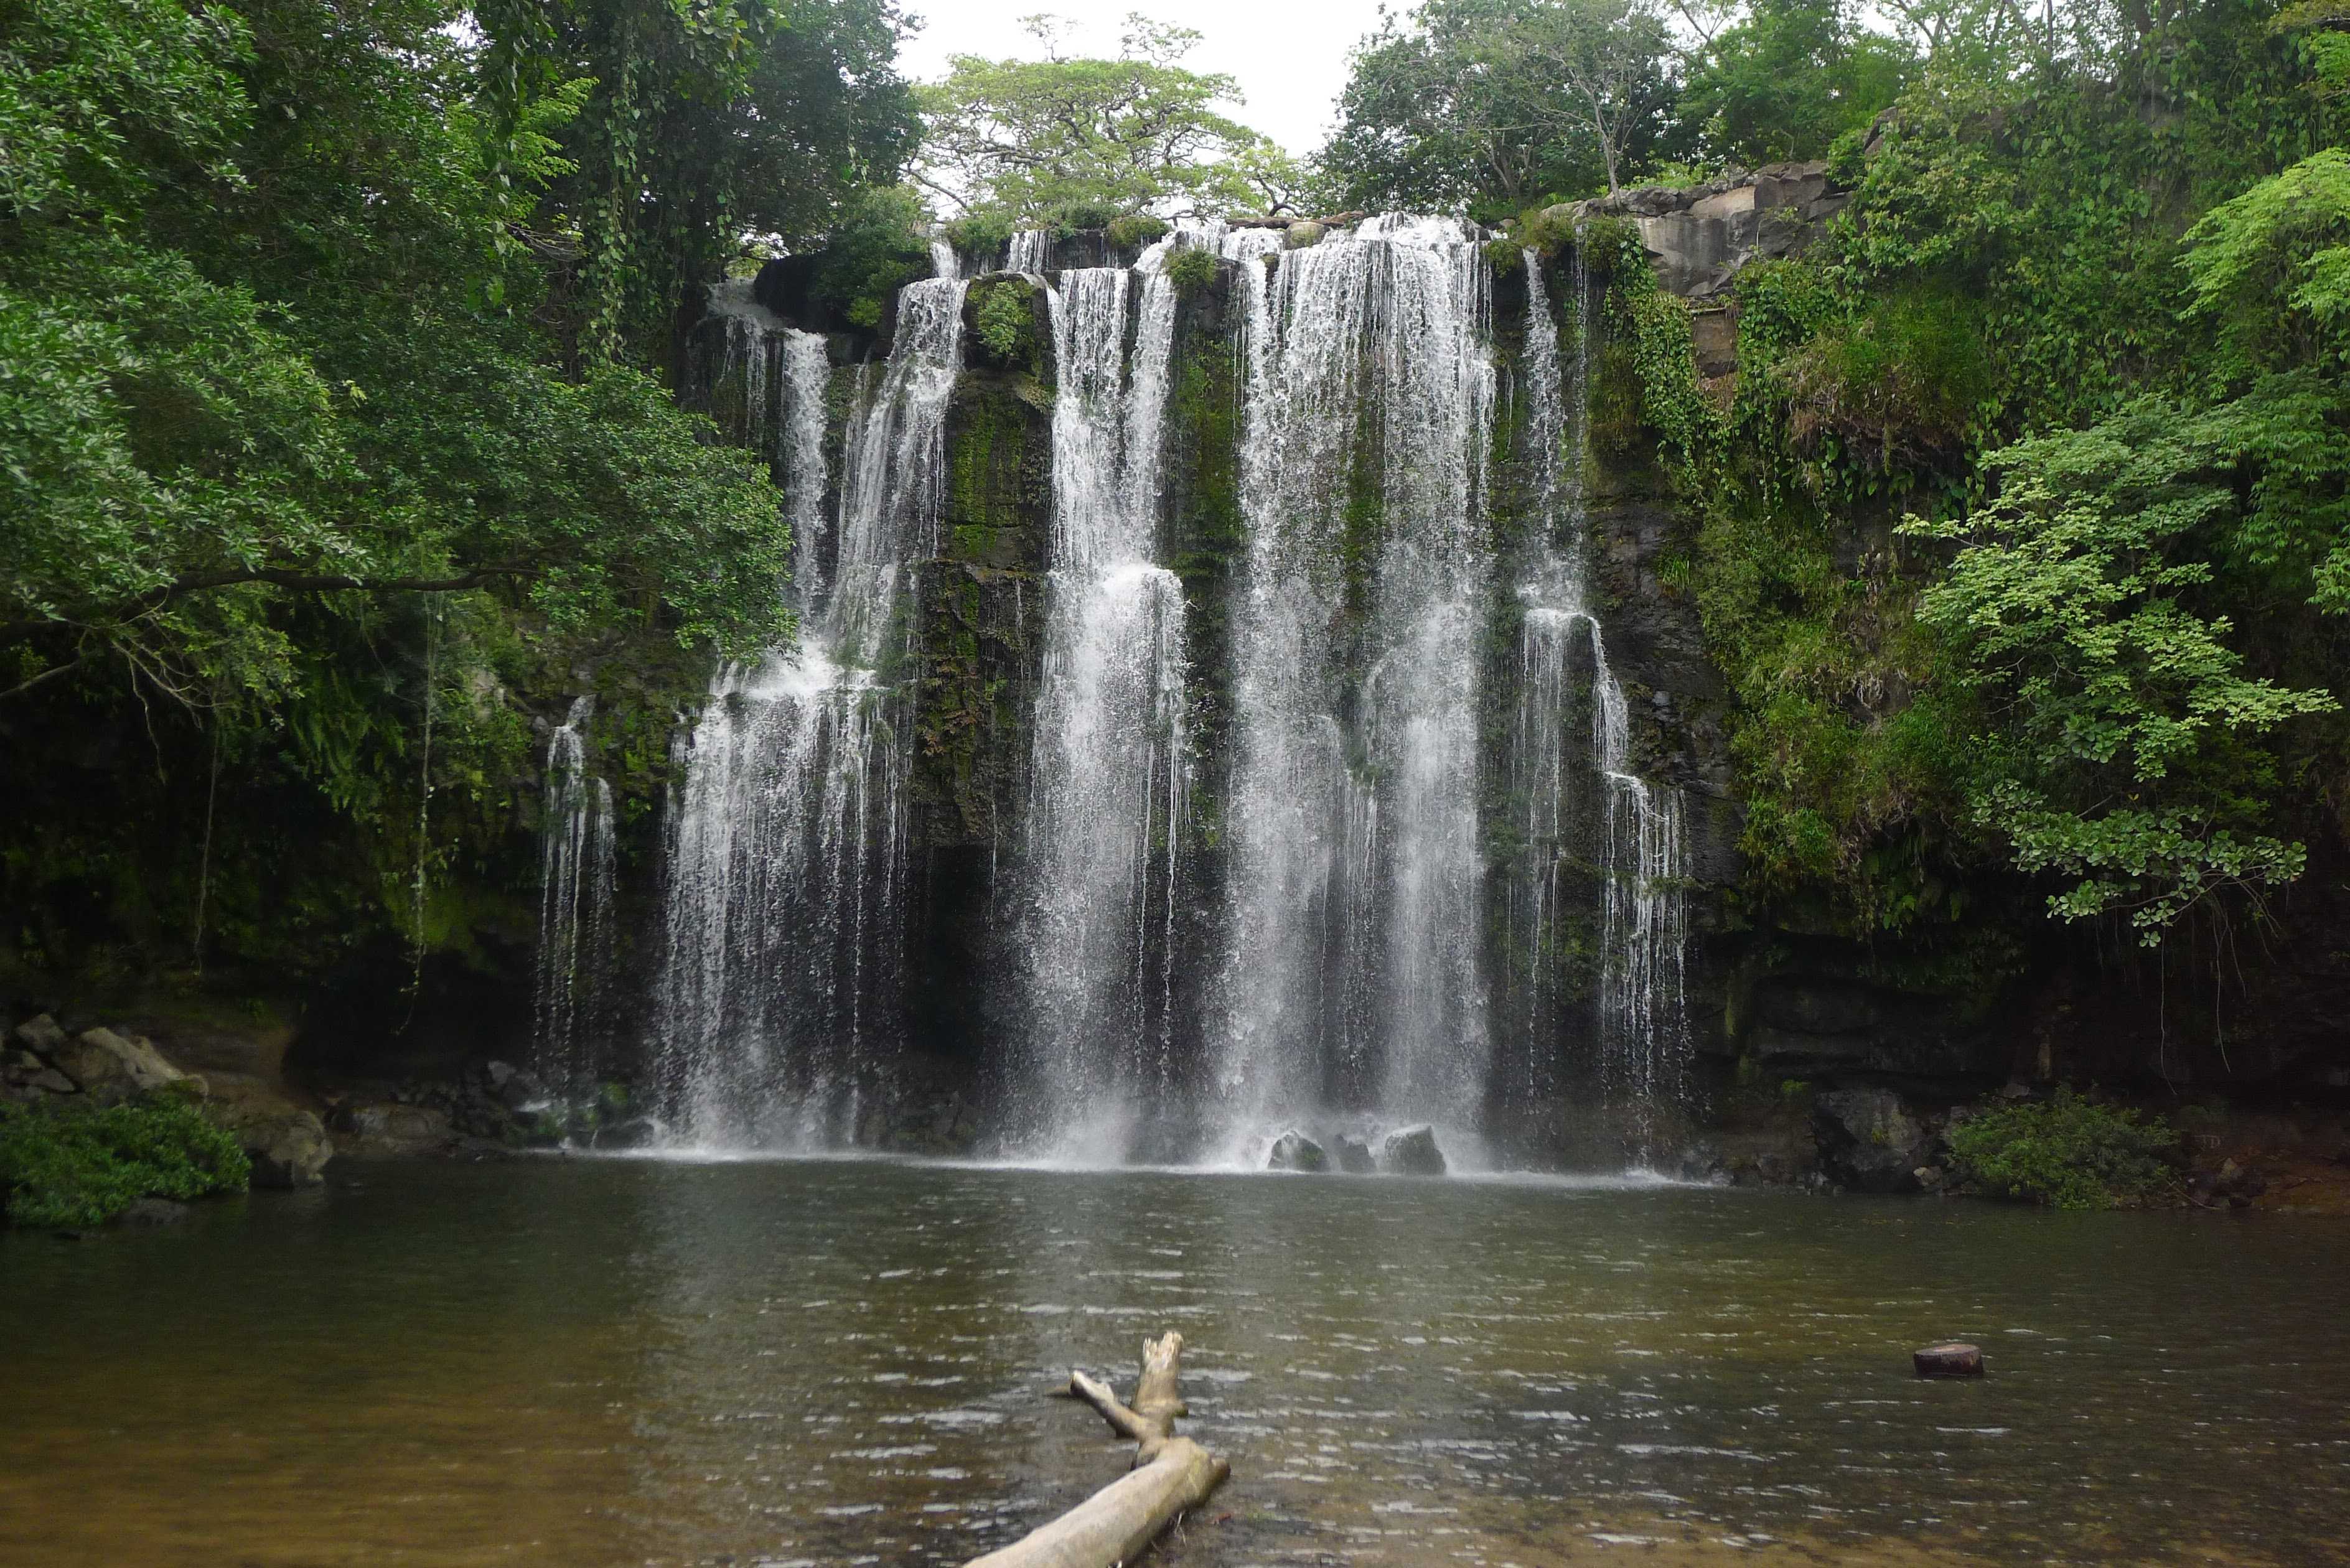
[1289,55]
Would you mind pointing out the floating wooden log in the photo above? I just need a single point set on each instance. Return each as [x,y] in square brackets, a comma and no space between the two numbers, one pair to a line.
[1170,1474]
[1948,1360]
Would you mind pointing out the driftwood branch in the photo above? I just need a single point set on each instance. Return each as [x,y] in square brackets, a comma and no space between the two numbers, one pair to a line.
[1169,1475]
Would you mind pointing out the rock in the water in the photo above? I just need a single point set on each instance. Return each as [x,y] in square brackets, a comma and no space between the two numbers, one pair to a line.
[287,1151]
[287,1145]
[109,1066]
[1293,1150]
[41,1034]
[1929,1178]
[155,1211]
[1412,1151]
[1948,1360]
[1355,1156]
[1869,1141]
[637,1132]
[1305,234]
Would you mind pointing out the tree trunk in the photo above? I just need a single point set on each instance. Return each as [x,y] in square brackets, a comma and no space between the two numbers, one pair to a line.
[1170,1474]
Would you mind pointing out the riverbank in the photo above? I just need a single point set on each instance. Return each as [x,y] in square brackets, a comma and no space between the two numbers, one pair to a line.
[1854,1137]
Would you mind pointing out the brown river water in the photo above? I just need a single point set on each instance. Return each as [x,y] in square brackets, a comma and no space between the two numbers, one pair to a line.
[635,1362]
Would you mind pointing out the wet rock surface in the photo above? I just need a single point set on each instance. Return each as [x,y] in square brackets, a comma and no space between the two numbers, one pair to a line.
[1293,1150]
[1871,1141]
[1412,1151]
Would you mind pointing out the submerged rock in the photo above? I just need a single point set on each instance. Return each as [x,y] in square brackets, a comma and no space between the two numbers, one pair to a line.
[1412,1151]
[1355,1156]
[155,1211]
[637,1132]
[1293,1150]
[1954,1360]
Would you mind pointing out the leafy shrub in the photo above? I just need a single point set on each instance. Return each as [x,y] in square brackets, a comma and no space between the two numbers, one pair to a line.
[875,250]
[2069,1152]
[1190,270]
[70,1164]
[1136,229]
[1906,382]
[1005,319]
[1071,216]
[983,233]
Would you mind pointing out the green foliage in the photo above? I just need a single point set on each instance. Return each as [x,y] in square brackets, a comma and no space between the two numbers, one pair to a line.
[982,232]
[1789,79]
[1133,230]
[878,246]
[2068,1152]
[299,448]
[1003,316]
[1075,143]
[1191,269]
[68,1165]
[706,125]
[1493,104]
[2126,742]
[1897,388]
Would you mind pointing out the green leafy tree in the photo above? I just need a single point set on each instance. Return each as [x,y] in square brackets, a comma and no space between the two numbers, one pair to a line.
[1789,79]
[1033,140]
[701,129]
[1493,105]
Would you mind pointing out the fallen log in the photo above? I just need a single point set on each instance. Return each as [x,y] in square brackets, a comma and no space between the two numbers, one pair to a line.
[1170,1474]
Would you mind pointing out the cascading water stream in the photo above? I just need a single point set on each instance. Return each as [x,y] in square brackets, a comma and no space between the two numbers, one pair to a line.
[574,912]
[1109,776]
[1352,981]
[1643,921]
[785,868]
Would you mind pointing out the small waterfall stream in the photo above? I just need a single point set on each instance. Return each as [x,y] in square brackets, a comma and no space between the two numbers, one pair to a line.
[1563,666]
[1352,981]
[785,867]
[1110,771]
[575,913]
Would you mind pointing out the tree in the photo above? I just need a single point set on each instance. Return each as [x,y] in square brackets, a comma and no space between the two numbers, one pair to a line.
[702,128]
[1034,140]
[1494,105]
[1789,79]
[2128,740]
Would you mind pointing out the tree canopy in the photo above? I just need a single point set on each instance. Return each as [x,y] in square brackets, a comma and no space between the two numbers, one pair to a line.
[1031,140]
[332,343]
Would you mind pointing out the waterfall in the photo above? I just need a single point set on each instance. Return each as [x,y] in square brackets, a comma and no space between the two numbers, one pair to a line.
[1352,981]
[1642,1038]
[1031,250]
[1109,774]
[784,917]
[574,912]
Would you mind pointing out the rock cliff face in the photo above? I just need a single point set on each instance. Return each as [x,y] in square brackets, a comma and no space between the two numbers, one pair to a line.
[1766,1016]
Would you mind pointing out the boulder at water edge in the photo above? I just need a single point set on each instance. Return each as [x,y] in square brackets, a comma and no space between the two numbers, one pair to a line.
[1412,1151]
[1293,1150]
[1355,1156]
[1868,1141]
[110,1067]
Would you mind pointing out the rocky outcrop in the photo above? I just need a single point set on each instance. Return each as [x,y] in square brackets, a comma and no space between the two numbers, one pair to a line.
[111,1067]
[1697,237]
[1870,1141]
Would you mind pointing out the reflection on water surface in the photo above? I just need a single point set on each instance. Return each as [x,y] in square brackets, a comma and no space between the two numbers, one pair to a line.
[631,1362]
